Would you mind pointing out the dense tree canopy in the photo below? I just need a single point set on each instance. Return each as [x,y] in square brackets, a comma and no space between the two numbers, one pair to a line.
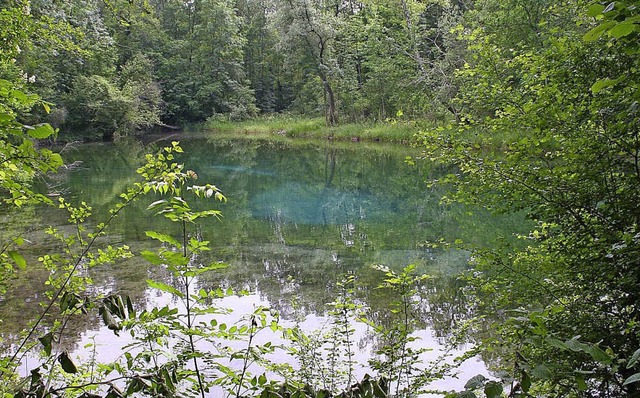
[235,59]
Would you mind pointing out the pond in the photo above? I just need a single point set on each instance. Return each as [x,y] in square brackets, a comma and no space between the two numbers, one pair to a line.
[299,217]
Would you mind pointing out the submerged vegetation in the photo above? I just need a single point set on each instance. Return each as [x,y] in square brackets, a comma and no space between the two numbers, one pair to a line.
[534,106]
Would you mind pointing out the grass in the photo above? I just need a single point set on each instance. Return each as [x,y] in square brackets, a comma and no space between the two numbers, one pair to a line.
[305,127]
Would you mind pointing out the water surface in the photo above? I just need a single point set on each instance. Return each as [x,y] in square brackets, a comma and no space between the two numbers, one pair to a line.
[299,216]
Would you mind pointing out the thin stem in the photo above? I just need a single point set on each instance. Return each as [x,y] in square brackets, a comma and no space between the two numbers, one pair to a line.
[245,365]
[403,336]
[55,391]
[188,308]
[60,290]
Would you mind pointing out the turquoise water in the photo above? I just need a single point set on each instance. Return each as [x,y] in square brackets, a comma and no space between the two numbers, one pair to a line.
[299,216]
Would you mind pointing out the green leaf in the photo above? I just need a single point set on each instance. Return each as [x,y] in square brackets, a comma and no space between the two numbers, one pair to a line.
[598,354]
[556,343]
[175,258]
[595,33]
[20,96]
[66,363]
[493,389]
[18,259]
[602,84]
[525,383]
[164,238]
[634,378]
[595,10]
[215,266]
[542,372]
[109,320]
[130,309]
[5,117]
[164,287]
[622,29]
[152,257]
[46,342]
[634,359]
[581,383]
[475,382]
[575,345]
[41,131]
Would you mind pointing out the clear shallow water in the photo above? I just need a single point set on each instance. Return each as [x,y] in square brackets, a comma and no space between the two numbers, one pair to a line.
[298,217]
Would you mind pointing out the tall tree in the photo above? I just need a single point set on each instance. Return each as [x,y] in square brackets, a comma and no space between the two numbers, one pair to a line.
[308,29]
[263,66]
[203,73]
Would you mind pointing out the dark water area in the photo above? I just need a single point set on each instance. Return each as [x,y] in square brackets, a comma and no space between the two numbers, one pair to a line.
[298,217]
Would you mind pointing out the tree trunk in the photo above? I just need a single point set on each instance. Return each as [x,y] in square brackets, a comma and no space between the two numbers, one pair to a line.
[331,115]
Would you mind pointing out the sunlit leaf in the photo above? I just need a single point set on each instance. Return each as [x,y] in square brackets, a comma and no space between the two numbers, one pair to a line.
[152,257]
[602,84]
[156,204]
[41,131]
[595,33]
[163,238]
[595,10]
[622,29]
[18,259]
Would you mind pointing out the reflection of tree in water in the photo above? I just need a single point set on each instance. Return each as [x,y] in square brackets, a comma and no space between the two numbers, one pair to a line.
[297,219]
[445,305]
[23,301]
[283,275]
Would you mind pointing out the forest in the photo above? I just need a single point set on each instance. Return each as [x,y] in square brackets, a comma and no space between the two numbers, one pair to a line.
[532,105]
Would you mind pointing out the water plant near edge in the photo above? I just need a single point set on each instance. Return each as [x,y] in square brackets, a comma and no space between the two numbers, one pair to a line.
[396,359]
[326,356]
[182,265]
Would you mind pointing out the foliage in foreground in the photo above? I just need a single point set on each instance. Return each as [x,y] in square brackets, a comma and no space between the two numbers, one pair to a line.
[185,349]
[560,316]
